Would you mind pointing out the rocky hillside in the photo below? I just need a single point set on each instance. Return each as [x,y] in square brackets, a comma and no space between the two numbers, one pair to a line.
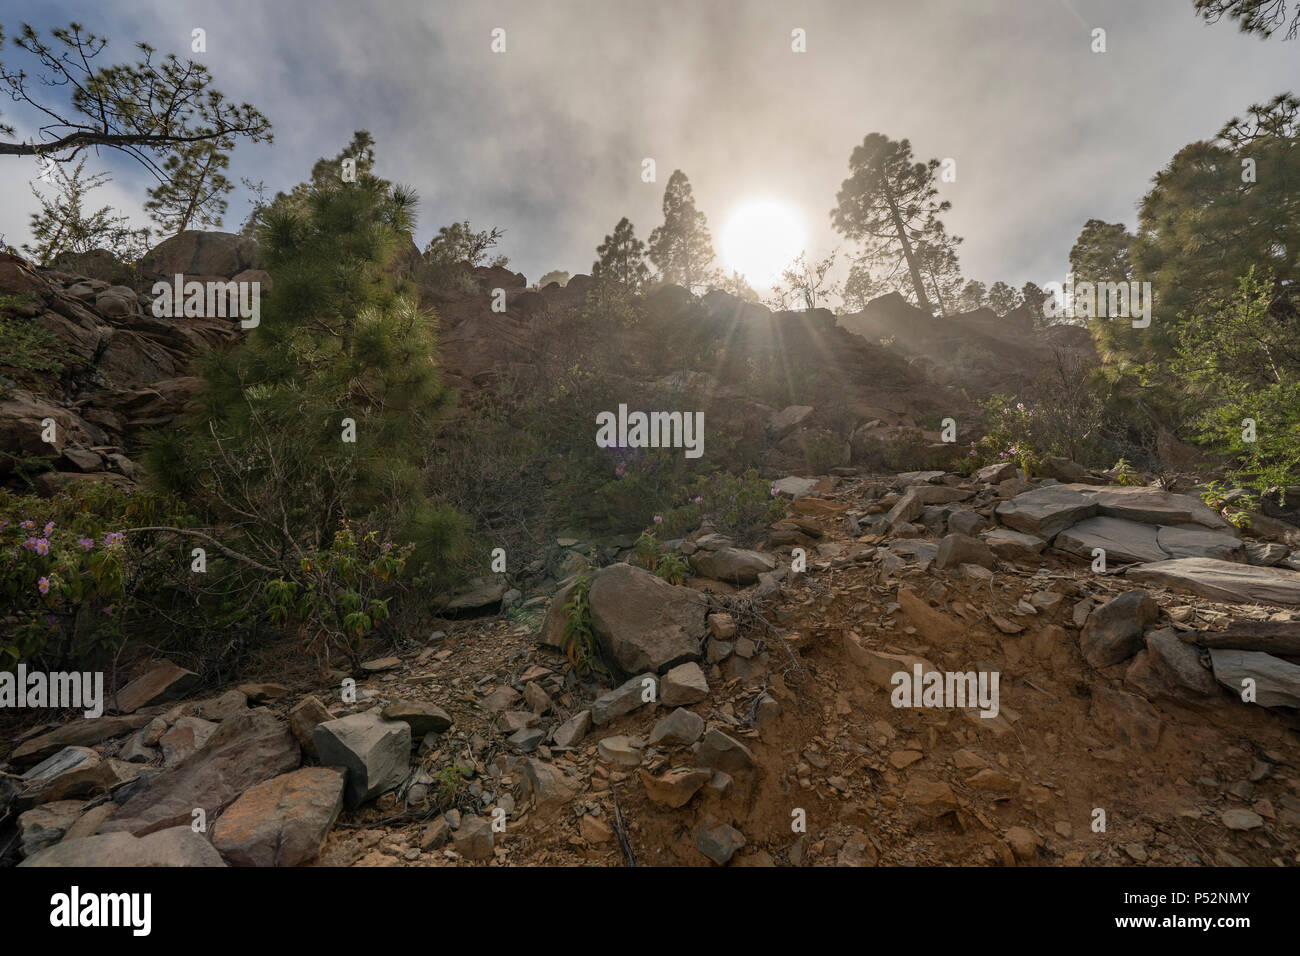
[750,716]
[746,716]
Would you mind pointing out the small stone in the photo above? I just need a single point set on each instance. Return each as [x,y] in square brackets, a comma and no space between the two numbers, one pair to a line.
[593,830]
[683,685]
[423,716]
[721,752]
[719,842]
[571,732]
[622,750]
[721,626]
[473,840]
[1240,819]
[527,740]
[680,728]
[1024,843]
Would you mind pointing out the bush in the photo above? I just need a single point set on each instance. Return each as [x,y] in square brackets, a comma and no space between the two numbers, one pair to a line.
[1239,359]
[73,586]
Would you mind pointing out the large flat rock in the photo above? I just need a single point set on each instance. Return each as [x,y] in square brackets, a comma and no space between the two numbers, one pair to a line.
[1277,682]
[1046,511]
[1152,506]
[1125,541]
[177,846]
[1222,580]
[244,751]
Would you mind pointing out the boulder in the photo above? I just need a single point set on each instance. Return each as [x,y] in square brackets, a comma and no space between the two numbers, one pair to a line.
[282,822]
[1114,630]
[957,549]
[1179,663]
[643,622]
[376,753]
[195,253]
[734,565]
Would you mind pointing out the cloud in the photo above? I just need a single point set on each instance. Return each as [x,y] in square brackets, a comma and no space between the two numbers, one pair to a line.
[546,139]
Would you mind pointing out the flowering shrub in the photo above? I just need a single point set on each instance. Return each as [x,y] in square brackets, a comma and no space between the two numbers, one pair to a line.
[67,576]
[1009,436]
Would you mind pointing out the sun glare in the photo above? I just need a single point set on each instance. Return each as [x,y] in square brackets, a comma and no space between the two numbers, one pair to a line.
[761,238]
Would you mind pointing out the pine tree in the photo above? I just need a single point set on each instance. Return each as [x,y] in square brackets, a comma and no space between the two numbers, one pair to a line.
[621,259]
[193,195]
[265,456]
[888,203]
[682,249]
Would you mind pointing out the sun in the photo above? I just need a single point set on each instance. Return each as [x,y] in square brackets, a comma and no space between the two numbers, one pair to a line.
[761,238]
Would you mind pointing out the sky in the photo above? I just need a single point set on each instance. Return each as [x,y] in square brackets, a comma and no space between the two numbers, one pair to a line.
[547,139]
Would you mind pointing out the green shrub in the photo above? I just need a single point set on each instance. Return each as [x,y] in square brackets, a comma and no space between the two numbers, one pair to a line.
[73,586]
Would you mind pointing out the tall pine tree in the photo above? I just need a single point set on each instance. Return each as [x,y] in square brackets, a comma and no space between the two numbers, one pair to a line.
[682,249]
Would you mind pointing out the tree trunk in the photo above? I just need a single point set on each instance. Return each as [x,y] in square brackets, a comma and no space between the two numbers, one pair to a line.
[917,283]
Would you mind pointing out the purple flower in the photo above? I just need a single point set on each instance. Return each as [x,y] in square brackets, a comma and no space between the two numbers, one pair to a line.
[659,519]
[30,544]
[43,585]
[86,543]
[28,524]
[774,491]
[109,609]
[42,546]
[699,500]
[49,527]
[112,538]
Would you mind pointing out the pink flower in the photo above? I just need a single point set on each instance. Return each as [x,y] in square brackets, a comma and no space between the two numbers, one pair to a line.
[43,585]
[659,519]
[1020,405]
